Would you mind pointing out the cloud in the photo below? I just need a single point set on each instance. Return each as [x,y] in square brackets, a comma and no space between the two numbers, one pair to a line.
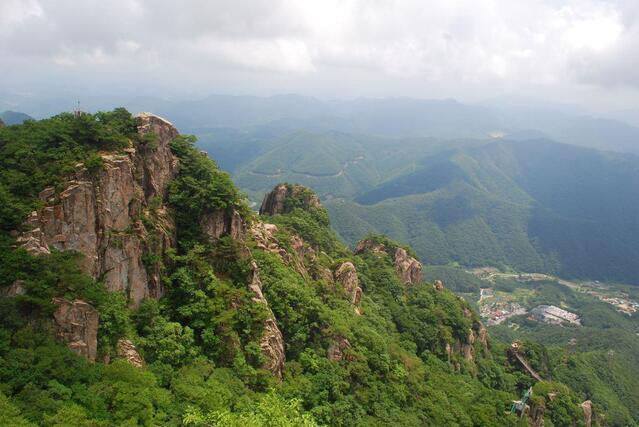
[469,45]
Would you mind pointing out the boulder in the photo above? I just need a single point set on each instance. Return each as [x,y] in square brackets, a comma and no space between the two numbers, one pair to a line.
[438,285]
[76,323]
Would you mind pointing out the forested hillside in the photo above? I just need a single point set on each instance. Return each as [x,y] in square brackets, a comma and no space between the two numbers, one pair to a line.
[528,204]
[138,288]
[532,205]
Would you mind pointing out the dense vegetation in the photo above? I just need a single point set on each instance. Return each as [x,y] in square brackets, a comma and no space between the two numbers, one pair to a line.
[533,206]
[594,359]
[200,342]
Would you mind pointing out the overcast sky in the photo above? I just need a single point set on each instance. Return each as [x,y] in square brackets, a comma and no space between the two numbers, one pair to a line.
[581,52]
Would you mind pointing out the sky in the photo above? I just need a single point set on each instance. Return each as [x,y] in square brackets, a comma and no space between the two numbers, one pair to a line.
[581,53]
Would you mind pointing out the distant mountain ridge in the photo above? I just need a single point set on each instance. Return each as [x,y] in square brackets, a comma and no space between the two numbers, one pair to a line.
[404,117]
[389,117]
[14,117]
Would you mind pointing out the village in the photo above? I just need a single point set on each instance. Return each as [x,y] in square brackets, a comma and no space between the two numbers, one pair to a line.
[496,310]
[620,300]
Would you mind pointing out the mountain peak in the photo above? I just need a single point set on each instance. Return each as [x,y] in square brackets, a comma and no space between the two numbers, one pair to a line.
[284,198]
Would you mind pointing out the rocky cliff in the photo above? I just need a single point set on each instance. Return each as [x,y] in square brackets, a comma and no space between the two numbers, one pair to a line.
[76,323]
[346,277]
[118,219]
[107,216]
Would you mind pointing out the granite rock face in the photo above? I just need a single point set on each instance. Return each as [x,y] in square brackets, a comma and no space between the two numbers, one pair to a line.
[15,289]
[264,236]
[76,324]
[346,277]
[272,341]
[99,214]
[285,197]
[336,349]
[586,407]
[222,223]
[408,268]
[128,352]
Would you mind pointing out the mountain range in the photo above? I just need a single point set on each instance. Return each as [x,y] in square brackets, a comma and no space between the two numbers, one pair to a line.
[138,288]
[524,202]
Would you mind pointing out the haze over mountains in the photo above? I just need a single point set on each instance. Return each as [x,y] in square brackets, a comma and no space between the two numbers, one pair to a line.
[375,116]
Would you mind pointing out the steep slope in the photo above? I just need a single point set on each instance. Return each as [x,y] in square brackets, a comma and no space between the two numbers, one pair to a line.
[257,320]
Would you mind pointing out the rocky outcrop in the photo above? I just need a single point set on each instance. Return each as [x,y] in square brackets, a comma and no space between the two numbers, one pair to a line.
[408,268]
[264,236]
[482,335]
[286,197]
[369,245]
[128,352]
[223,222]
[336,349]
[13,290]
[346,277]
[76,323]
[586,407]
[438,285]
[155,163]
[272,341]
[219,223]
[272,346]
[99,214]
